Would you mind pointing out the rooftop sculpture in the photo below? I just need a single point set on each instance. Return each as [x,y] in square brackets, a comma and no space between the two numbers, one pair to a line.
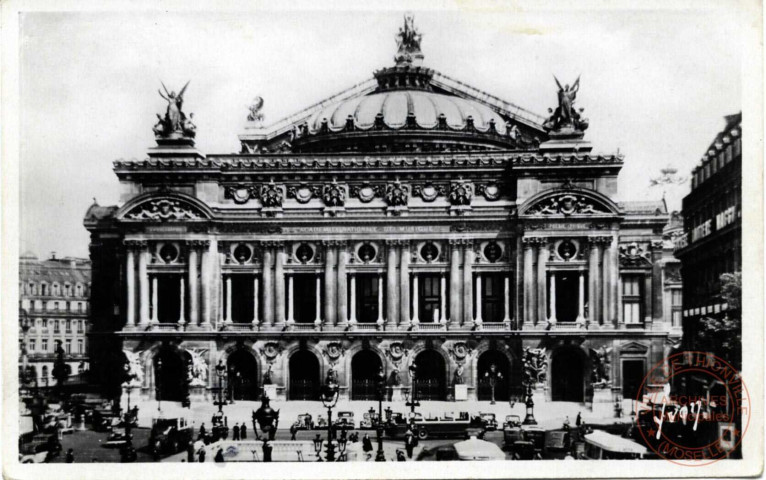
[566,118]
[408,41]
[175,123]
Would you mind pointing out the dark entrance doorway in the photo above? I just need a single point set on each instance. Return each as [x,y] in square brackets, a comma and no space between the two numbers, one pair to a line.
[567,296]
[367,298]
[171,378]
[242,292]
[304,376]
[567,375]
[632,377]
[430,297]
[484,372]
[430,375]
[243,376]
[304,289]
[365,366]
[492,292]
[168,298]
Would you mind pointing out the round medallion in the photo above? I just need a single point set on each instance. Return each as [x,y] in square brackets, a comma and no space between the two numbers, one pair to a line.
[366,193]
[492,252]
[429,252]
[567,250]
[429,193]
[240,195]
[303,194]
[304,253]
[168,253]
[367,253]
[491,192]
[242,253]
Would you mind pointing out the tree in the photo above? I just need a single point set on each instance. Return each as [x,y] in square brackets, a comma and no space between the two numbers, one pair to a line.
[61,370]
[723,336]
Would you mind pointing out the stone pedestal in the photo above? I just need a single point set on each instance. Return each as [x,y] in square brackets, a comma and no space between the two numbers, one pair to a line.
[397,394]
[198,394]
[270,391]
[461,392]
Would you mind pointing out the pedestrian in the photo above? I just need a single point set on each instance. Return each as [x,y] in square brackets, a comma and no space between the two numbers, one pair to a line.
[578,420]
[202,456]
[70,456]
[293,432]
[202,431]
[409,442]
[243,431]
[219,456]
[400,456]
[566,423]
[267,448]
[366,443]
[190,451]
[235,432]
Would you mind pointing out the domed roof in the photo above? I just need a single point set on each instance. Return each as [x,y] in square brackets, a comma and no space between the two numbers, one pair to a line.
[393,108]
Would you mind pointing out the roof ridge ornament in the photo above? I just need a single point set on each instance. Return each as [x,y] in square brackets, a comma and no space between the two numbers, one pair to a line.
[408,40]
[175,125]
[566,120]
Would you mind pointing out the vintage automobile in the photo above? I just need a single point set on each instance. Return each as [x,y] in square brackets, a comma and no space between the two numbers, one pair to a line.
[345,421]
[118,438]
[169,435]
[40,448]
[369,421]
[220,427]
[461,425]
[104,419]
[512,421]
[58,422]
[472,449]
[558,444]
[490,421]
[600,445]
[304,422]
[321,423]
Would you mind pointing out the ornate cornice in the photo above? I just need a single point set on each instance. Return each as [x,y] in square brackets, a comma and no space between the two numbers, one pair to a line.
[533,241]
[135,244]
[600,240]
[198,243]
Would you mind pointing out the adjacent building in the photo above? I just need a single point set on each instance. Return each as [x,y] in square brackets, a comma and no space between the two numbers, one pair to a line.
[711,243]
[411,219]
[54,307]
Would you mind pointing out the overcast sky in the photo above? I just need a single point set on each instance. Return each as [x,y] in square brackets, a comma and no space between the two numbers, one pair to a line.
[654,87]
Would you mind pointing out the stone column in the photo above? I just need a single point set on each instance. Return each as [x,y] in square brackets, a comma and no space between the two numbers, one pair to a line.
[193,284]
[268,286]
[542,287]
[329,285]
[279,288]
[154,300]
[454,285]
[352,306]
[392,287]
[657,289]
[594,284]
[647,300]
[606,280]
[227,315]
[478,318]
[614,254]
[404,283]
[507,299]
[468,284]
[380,301]
[255,302]
[529,279]
[143,286]
[130,279]
[207,275]
[290,300]
[318,301]
[342,286]
[581,300]
[443,299]
[415,295]
[182,313]
[552,299]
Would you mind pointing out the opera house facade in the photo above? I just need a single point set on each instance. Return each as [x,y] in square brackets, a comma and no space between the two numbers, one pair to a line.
[409,220]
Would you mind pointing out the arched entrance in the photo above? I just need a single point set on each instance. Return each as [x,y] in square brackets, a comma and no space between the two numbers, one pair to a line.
[567,375]
[430,374]
[243,375]
[304,376]
[171,374]
[365,366]
[502,376]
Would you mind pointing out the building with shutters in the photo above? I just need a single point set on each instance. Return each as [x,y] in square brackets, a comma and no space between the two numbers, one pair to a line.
[409,219]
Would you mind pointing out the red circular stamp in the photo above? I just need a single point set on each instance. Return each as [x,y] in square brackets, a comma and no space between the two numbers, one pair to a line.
[693,409]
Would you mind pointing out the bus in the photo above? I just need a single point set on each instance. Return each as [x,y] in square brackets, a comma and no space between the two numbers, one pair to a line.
[447,425]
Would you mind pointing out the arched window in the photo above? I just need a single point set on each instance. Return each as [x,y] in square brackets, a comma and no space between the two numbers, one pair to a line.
[43,289]
[56,290]
[78,290]
[32,290]
[68,290]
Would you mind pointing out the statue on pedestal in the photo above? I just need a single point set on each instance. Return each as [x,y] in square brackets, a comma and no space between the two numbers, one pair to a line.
[566,116]
[457,378]
[175,120]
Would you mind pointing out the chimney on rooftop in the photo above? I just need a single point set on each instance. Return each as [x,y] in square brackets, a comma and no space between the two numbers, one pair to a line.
[53,255]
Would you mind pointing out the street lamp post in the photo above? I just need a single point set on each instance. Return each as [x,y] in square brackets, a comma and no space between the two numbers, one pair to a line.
[159,387]
[381,386]
[329,396]
[412,397]
[530,406]
[494,376]
[220,371]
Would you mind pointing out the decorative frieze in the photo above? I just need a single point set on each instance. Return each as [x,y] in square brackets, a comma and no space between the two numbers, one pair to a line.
[240,193]
[567,204]
[164,210]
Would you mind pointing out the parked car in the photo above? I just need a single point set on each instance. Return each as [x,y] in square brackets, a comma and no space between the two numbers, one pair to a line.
[490,421]
[472,449]
[512,421]
[118,438]
[104,419]
[558,443]
[345,420]
[369,421]
[220,429]
[304,422]
[40,448]
[169,435]
[600,445]
[461,425]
